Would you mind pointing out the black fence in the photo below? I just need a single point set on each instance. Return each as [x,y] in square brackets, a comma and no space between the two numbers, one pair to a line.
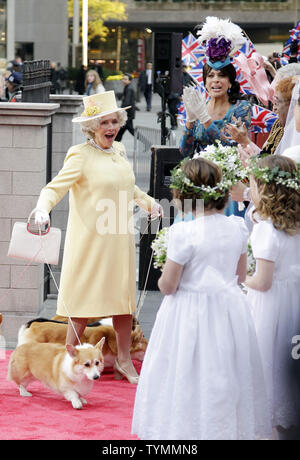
[36,81]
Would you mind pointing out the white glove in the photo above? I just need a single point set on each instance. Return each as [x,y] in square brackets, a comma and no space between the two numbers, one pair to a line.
[195,105]
[186,97]
[156,211]
[41,217]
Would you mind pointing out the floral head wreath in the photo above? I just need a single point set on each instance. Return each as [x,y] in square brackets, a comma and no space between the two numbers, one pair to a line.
[222,37]
[181,182]
[268,175]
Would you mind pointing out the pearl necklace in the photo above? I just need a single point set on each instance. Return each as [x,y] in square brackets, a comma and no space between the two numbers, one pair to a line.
[110,151]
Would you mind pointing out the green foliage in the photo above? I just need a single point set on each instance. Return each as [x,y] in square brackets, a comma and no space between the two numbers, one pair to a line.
[279,177]
[100,11]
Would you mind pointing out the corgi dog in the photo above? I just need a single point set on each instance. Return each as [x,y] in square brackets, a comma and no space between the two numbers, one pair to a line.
[50,331]
[67,370]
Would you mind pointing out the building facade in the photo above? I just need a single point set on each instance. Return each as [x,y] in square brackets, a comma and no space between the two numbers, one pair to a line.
[34,29]
[38,29]
[265,22]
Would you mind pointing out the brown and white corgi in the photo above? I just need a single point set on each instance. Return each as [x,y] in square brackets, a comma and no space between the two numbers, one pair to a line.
[67,370]
[50,331]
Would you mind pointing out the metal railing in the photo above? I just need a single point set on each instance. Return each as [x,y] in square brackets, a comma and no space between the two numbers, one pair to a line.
[144,139]
[36,81]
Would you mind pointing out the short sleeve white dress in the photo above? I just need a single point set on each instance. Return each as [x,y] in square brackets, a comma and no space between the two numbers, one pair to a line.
[276,314]
[202,376]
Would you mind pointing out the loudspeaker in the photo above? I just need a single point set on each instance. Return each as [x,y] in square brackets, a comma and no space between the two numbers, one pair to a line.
[163,160]
[167,62]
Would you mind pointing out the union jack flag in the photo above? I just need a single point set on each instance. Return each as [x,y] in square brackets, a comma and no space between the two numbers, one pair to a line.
[247,48]
[192,50]
[294,35]
[283,61]
[262,119]
[196,73]
[244,85]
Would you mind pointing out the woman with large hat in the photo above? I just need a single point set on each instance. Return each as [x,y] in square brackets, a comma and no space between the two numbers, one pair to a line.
[206,120]
[98,270]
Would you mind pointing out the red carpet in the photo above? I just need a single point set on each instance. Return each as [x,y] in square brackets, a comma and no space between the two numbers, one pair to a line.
[46,415]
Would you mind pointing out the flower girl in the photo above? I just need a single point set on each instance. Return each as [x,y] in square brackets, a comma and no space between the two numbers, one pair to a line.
[274,290]
[202,376]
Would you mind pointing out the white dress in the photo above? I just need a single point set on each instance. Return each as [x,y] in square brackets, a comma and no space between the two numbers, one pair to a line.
[276,314]
[202,376]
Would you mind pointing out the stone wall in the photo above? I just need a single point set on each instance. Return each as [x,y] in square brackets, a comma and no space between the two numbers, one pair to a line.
[23,153]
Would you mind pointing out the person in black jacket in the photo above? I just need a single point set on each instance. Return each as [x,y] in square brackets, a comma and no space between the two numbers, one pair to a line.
[128,99]
[145,84]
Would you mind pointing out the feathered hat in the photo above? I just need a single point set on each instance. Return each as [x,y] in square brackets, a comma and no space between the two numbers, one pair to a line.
[221,37]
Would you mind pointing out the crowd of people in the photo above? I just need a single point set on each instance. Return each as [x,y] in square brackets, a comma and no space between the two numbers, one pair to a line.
[230,371]
[218,363]
[88,80]
[11,80]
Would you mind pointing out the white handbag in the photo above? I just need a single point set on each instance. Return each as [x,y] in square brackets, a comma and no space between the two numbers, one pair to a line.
[40,247]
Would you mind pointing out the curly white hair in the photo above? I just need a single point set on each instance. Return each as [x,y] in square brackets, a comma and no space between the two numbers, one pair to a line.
[88,128]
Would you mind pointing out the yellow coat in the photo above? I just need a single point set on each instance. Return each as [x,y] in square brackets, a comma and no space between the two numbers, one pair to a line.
[98,272]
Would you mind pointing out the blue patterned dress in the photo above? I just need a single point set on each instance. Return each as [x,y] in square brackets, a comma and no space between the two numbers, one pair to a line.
[197,138]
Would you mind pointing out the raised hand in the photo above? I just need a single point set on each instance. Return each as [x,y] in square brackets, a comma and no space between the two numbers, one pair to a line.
[195,105]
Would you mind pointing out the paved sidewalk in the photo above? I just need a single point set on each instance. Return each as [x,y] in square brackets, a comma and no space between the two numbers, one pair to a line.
[153,298]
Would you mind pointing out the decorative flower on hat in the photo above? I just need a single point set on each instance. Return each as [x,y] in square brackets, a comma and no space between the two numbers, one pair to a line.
[221,37]
[91,109]
[218,49]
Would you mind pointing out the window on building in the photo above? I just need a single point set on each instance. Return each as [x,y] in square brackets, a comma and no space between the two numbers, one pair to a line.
[3,13]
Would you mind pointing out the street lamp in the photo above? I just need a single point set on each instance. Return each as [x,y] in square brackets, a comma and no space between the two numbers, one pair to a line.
[85,15]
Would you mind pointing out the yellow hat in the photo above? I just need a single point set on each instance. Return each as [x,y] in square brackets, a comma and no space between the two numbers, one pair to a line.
[99,105]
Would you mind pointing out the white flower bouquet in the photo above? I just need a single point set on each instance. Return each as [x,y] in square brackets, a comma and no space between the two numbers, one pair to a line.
[227,158]
[160,246]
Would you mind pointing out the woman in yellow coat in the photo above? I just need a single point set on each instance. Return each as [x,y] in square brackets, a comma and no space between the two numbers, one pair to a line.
[98,270]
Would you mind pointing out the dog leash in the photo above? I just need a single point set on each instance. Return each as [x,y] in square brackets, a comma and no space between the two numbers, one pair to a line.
[55,284]
[143,293]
